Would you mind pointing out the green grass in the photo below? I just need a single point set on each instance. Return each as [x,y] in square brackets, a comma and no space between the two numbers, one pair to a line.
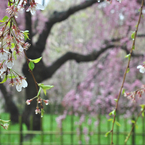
[50,126]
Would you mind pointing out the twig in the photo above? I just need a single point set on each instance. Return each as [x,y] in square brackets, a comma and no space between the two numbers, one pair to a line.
[124,77]
[133,127]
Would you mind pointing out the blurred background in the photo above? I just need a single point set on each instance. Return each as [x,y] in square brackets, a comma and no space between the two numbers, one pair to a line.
[83,44]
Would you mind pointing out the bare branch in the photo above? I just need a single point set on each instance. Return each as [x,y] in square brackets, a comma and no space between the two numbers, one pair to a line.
[47,73]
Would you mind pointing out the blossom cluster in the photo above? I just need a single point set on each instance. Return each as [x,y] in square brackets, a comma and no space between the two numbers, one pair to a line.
[12,42]
[39,100]
[138,93]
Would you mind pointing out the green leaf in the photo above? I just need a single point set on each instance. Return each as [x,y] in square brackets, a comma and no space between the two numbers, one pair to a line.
[133,35]
[142,114]
[132,121]
[42,112]
[115,100]
[133,48]
[5,18]
[136,126]
[110,119]
[31,65]
[112,112]
[117,123]
[14,54]
[107,133]
[12,45]
[26,33]
[47,87]
[11,76]
[2,21]
[44,90]
[123,91]
[35,60]
[8,24]
[39,92]
[4,80]
[142,106]
[128,70]
[128,56]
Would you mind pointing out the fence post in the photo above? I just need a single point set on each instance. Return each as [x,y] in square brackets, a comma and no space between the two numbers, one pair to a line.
[117,117]
[72,126]
[143,139]
[41,127]
[31,128]
[61,133]
[20,129]
[80,133]
[133,132]
[99,130]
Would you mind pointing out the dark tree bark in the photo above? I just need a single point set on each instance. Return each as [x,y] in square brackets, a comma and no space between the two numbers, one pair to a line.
[10,105]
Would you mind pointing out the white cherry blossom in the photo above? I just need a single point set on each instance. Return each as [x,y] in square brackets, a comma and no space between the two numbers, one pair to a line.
[141,68]
[10,63]
[3,55]
[33,7]
[21,82]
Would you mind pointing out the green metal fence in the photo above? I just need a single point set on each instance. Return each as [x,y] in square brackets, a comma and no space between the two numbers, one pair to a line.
[73,134]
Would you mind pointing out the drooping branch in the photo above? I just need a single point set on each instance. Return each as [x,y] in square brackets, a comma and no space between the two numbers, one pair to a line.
[58,17]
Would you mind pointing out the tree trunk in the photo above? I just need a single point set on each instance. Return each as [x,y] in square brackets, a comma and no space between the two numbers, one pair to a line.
[10,105]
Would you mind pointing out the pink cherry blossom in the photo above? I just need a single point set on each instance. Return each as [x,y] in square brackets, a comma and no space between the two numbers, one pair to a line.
[46,102]
[28,102]
[37,111]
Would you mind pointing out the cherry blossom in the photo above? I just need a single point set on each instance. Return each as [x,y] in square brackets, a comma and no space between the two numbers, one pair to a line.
[12,10]
[21,82]
[141,68]
[28,102]
[10,62]
[3,55]
[12,82]
[46,102]
[34,6]
[37,111]
[39,100]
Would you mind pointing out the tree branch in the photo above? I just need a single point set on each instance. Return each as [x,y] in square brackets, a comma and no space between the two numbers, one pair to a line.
[58,17]
[50,70]
[47,72]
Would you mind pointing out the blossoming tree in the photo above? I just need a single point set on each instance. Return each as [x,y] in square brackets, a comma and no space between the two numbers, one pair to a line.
[13,44]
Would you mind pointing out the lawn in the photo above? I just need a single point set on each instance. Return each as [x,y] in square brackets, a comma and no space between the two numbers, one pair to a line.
[51,133]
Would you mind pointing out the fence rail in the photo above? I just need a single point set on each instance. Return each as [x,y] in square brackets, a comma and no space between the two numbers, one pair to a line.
[72,134]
